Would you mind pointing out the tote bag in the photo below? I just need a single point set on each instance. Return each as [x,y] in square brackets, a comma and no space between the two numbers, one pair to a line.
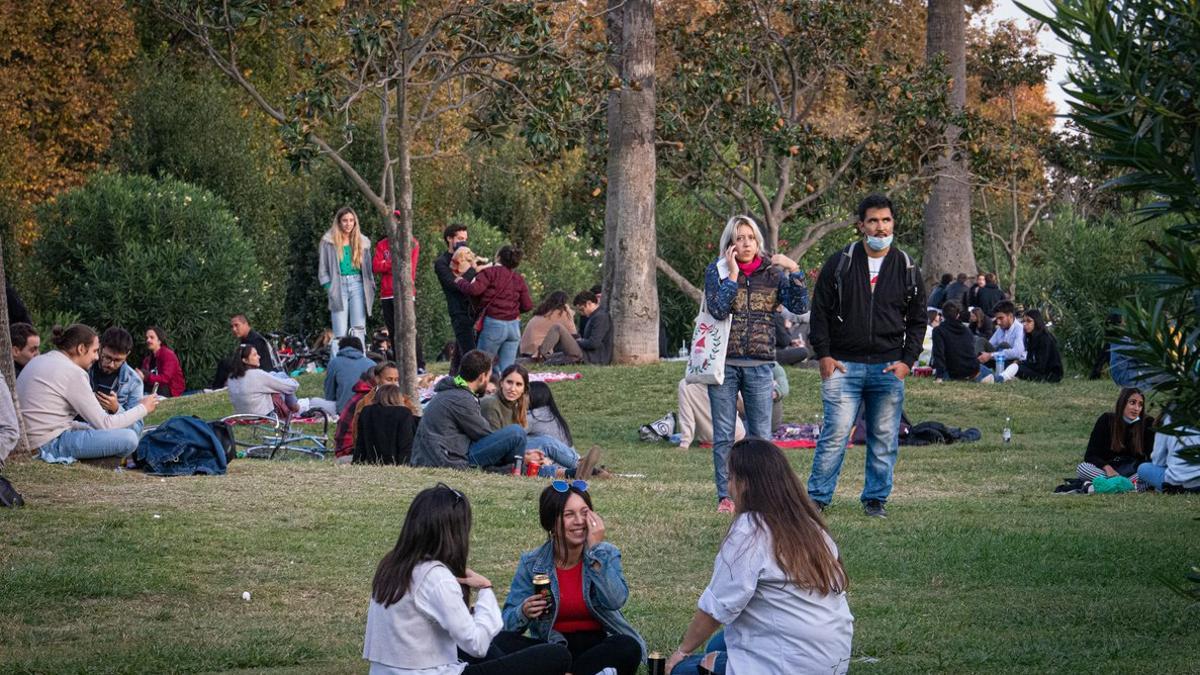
[710,342]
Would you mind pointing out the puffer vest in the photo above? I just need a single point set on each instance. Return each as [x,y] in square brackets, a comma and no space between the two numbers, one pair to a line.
[752,324]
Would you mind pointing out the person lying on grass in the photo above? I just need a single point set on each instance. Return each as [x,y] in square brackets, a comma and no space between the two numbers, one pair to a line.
[419,620]
[1120,440]
[778,583]
[510,405]
[575,559]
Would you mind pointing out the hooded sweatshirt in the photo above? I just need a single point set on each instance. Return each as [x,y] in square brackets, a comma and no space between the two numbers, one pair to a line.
[344,371]
[451,422]
[954,351]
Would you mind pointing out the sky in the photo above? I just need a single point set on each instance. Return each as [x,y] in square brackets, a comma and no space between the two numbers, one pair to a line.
[1007,9]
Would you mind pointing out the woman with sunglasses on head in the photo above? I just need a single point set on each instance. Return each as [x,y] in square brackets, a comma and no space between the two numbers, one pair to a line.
[778,584]
[419,619]
[587,588]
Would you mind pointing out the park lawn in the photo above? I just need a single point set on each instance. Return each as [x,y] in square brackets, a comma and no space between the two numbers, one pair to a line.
[979,567]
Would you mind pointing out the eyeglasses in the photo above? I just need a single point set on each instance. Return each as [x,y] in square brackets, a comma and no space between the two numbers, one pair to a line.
[563,486]
[458,496]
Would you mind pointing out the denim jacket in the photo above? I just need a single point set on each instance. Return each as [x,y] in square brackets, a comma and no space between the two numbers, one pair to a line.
[604,593]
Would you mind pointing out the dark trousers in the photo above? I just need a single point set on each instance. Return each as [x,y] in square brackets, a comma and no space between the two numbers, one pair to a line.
[464,337]
[389,317]
[538,658]
[590,652]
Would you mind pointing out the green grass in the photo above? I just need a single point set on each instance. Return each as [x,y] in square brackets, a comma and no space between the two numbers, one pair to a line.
[979,568]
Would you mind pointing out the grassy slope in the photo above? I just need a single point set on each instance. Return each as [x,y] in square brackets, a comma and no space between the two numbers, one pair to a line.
[979,567]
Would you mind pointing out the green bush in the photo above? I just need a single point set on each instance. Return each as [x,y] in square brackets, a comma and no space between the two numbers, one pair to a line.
[134,251]
[1080,270]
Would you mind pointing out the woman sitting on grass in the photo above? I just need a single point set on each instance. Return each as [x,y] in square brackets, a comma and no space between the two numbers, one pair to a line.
[1120,440]
[551,329]
[1042,361]
[576,559]
[545,421]
[254,391]
[419,618]
[386,428]
[510,405]
[778,584]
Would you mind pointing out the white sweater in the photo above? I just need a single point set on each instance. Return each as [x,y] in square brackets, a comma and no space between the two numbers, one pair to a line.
[250,394]
[424,630]
[53,390]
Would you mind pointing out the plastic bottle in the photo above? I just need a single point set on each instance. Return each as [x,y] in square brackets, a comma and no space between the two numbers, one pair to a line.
[683,350]
[1006,435]
[999,364]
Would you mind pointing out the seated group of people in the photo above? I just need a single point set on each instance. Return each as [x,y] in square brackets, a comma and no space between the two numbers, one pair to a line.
[1027,350]
[778,589]
[551,335]
[1127,442]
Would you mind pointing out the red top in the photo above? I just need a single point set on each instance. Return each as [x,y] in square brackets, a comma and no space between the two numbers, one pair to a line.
[573,614]
[162,368]
[381,264]
[502,291]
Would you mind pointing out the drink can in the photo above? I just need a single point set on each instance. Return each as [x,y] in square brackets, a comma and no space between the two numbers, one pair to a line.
[657,664]
[541,586]
[531,468]
[518,465]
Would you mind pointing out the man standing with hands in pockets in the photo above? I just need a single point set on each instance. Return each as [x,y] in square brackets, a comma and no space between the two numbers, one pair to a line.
[868,321]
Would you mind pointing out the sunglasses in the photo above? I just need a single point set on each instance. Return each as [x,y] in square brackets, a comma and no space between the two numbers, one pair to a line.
[458,496]
[563,486]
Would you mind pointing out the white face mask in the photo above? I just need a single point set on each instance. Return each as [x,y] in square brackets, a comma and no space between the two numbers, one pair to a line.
[1131,421]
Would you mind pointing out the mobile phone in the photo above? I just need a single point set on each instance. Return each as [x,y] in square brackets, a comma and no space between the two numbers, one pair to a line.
[106,388]
[154,390]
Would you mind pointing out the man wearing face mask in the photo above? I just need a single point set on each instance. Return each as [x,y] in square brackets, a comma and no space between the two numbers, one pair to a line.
[867,326]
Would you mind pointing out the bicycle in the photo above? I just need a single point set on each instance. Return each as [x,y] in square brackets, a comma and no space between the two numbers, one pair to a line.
[269,437]
[296,356]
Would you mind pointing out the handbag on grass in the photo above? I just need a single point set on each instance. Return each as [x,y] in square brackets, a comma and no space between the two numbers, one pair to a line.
[710,342]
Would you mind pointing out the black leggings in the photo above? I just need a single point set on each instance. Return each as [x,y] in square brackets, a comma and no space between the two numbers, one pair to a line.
[539,658]
[587,653]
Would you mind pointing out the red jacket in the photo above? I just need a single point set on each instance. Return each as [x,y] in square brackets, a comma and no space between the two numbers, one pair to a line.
[343,433]
[164,370]
[381,264]
[500,290]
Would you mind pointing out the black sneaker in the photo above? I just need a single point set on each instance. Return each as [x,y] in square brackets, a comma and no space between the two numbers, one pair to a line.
[874,508]
[821,506]
[9,495]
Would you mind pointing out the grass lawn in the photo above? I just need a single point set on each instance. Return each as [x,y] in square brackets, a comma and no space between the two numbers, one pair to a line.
[979,568]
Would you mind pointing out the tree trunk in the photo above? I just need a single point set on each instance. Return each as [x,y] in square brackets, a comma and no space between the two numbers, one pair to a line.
[404,333]
[6,363]
[612,195]
[948,243]
[631,291]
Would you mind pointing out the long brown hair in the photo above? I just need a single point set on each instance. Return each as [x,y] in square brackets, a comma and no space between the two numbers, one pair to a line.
[354,237]
[520,406]
[1137,430]
[769,491]
[437,527]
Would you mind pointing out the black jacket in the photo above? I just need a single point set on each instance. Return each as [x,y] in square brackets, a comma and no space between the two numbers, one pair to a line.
[1042,361]
[385,435]
[954,351]
[457,303]
[597,339]
[958,292]
[866,327]
[266,356]
[1099,448]
[988,297]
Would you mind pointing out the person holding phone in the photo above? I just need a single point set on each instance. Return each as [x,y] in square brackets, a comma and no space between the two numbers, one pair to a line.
[116,384]
[745,285]
[587,589]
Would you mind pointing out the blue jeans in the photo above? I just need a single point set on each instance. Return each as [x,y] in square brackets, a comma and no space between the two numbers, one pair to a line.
[882,397]
[755,383]
[498,448]
[555,450]
[501,338]
[1152,475]
[352,320]
[90,444]
[690,665]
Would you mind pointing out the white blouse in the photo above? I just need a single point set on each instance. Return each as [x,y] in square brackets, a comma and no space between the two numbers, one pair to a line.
[421,634]
[772,625]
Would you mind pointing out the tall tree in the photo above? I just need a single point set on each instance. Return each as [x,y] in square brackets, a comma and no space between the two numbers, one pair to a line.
[417,70]
[791,111]
[948,243]
[6,362]
[630,285]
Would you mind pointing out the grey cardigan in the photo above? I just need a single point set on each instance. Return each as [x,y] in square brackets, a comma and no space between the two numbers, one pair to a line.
[328,272]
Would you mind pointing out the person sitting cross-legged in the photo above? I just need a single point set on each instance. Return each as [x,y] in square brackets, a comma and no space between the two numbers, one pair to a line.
[252,390]
[344,371]
[1121,440]
[954,350]
[385,428]
[1167,470]
[453,432]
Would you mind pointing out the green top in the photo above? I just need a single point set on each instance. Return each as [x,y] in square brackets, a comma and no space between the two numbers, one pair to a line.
[346,262]
[497,413]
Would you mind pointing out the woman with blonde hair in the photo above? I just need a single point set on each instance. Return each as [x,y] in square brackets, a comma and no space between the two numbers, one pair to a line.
[345,274]
[778,583]
[745,284]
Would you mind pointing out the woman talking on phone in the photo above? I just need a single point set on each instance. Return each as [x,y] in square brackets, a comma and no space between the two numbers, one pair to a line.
[744,284]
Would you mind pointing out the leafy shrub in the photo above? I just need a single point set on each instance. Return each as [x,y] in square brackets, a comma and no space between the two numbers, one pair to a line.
[134,251]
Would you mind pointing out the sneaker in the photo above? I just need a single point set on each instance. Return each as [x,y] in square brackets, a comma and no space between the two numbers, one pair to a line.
[821,506]
[726,506]
[602,473]
[874,508]
[8,494]
[588,463]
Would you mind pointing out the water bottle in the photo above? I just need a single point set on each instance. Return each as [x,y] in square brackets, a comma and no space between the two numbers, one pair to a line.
[999,364]
[683,350]
[1006,435]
